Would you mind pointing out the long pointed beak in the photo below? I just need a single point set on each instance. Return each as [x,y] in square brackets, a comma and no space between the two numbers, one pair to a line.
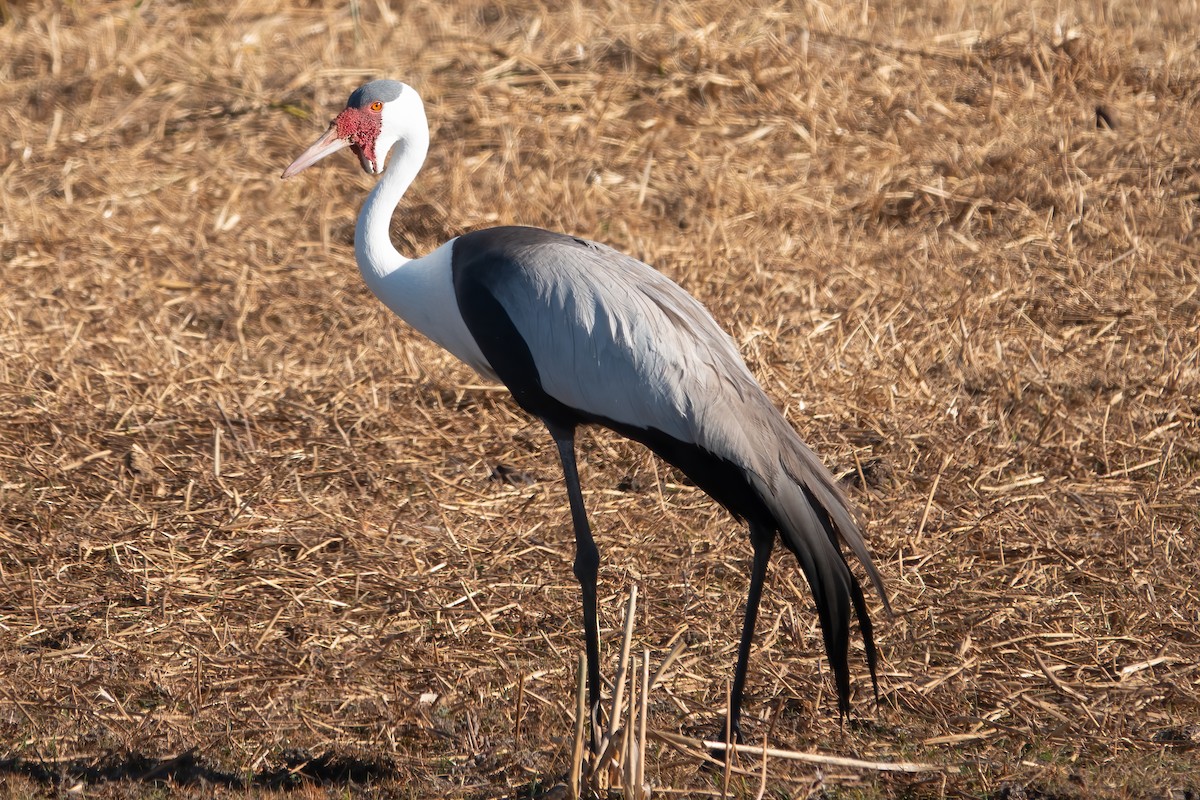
[327,144]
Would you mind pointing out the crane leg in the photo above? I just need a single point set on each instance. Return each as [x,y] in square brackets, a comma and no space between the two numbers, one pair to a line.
[763,541]
[587,566]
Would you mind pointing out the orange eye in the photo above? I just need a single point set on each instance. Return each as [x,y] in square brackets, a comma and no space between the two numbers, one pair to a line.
[377,106]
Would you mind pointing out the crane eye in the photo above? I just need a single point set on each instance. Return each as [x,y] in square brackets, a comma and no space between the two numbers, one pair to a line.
[377,106]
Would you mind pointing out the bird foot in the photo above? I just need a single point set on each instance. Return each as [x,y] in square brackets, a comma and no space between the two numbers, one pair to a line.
[735,736]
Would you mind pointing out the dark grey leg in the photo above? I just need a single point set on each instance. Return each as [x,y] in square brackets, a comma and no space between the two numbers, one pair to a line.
[587,566]
[763,542]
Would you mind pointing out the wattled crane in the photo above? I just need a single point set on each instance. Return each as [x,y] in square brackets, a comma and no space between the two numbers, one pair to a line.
[584,335]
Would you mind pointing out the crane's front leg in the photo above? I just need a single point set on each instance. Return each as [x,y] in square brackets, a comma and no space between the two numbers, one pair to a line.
[587,566]
[763,542]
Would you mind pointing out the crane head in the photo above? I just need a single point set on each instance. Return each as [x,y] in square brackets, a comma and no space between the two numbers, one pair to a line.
[378,115]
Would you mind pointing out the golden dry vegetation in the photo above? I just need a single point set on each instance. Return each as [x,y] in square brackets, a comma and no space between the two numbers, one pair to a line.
[257,535]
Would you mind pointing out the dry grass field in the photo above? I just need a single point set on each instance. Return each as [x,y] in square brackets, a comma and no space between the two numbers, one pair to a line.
[258,536]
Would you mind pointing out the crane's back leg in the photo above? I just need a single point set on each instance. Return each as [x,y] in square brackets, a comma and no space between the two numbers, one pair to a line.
[763,541]
[587,566]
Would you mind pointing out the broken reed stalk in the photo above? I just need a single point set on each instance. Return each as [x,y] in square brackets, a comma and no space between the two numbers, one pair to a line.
[667,662]
[623,665]
[580,714]
[762,781]
[629,787]
[520,708]
[33,598]
[929,500]
[811,758]
[641,771]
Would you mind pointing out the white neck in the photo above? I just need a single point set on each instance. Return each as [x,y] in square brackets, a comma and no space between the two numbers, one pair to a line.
[420,291]
[373,249]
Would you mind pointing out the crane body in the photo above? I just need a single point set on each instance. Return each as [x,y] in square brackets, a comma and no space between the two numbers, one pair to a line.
[582,334]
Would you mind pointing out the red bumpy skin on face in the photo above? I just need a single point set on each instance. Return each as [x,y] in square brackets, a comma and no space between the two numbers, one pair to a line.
[362,128]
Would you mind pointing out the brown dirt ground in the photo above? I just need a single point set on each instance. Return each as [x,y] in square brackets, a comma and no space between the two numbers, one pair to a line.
[255,534]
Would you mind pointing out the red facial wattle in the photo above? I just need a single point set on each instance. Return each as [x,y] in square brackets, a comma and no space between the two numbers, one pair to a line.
[361,128]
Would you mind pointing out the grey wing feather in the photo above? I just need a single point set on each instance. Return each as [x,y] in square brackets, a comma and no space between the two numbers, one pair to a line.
[613,337]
